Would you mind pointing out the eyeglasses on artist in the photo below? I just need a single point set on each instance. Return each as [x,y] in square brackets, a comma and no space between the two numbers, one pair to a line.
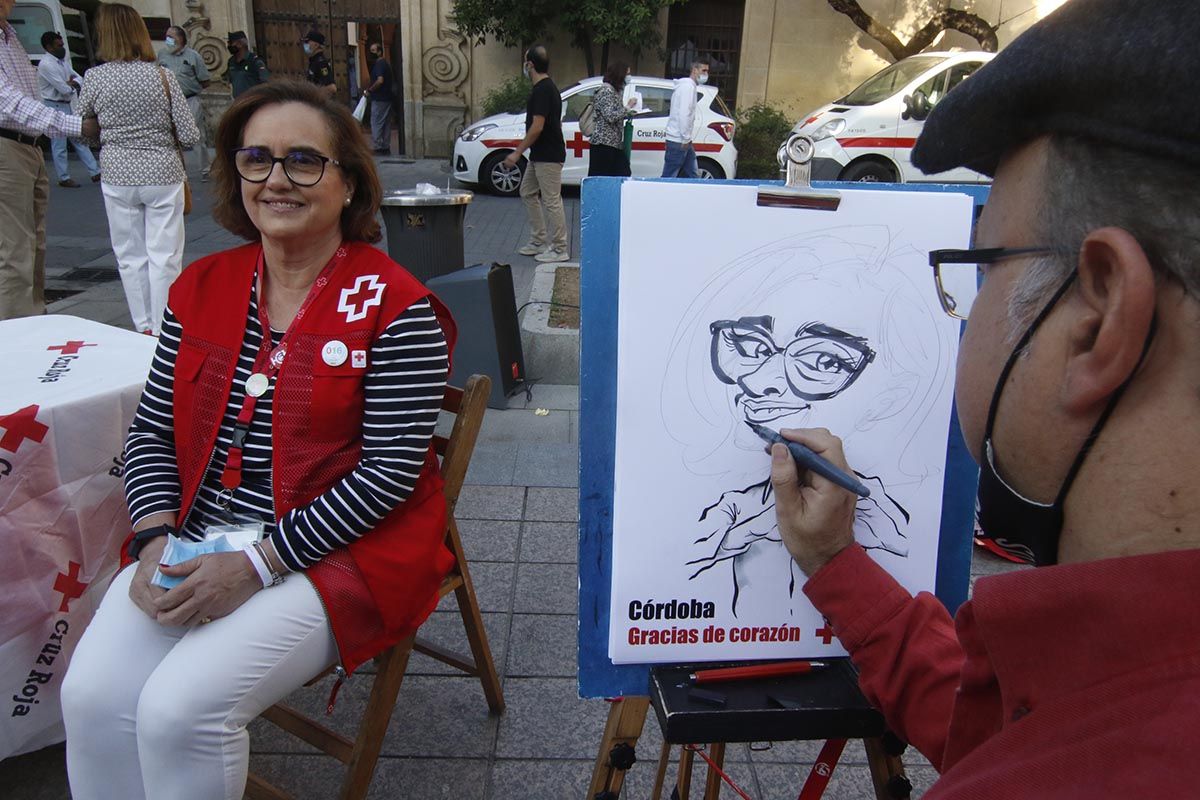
[956,295]
[256,164]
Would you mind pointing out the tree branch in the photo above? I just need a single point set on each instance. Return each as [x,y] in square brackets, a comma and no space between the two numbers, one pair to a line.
[946,19]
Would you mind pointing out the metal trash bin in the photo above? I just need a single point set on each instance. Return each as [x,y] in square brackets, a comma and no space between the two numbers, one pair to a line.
[425,231]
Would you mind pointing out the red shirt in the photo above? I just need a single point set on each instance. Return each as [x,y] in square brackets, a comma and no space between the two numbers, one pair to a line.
[1072,681]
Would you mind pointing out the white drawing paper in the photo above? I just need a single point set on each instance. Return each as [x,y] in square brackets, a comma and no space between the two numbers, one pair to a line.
[732,313]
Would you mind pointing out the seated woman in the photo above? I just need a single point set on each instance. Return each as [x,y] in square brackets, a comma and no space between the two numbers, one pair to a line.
[296,384]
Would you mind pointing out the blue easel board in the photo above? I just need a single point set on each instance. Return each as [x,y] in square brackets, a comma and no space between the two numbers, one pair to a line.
[599,289]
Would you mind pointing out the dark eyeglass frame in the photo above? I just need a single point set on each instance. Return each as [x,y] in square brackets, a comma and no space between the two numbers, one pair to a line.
[981,255]
[325,161]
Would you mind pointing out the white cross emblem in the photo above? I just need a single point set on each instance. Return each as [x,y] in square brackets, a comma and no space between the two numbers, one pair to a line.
[362,290]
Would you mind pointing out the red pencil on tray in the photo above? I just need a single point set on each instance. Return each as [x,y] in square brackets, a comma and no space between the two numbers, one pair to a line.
[753,671]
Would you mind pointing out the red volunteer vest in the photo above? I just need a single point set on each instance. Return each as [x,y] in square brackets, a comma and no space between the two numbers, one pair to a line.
[381,588]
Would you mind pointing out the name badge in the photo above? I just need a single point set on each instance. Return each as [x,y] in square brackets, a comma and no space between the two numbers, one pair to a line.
[335,353]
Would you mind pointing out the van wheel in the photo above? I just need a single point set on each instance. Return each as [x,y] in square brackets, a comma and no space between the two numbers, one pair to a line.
[707,169]
[499,179]
[868,172]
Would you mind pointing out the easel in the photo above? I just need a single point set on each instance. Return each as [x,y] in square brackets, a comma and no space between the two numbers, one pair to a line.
[823,706]
[599,676]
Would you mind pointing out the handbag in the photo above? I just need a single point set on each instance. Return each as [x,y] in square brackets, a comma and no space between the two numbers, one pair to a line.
[587,119]
[187,188]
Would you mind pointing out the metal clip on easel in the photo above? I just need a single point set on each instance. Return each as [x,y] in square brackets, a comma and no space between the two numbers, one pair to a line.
[795,158]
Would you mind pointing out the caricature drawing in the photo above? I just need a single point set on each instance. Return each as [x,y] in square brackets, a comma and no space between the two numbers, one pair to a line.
[816,330]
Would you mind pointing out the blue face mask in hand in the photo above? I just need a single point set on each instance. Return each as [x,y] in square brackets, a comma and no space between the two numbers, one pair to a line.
[179,550]
[1023,528]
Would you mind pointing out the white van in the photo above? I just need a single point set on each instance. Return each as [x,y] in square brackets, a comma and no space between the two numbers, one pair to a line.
[868,135]
[32,18]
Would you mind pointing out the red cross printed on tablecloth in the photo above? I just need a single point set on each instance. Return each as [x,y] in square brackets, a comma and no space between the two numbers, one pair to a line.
[71,347]
[826,633]
[69,585]
[19,426]
[578,144]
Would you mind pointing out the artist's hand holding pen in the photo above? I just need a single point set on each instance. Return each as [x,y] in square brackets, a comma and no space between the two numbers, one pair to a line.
[816,516]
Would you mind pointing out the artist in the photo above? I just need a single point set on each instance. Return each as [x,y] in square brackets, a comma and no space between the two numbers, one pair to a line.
[294,392]
[1078,389]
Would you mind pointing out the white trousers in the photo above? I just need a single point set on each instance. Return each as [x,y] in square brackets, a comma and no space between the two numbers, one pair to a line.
[145,225]
[161,712]
[201,147]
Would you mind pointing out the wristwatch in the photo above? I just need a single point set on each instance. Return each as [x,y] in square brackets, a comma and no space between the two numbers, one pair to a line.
[141,537]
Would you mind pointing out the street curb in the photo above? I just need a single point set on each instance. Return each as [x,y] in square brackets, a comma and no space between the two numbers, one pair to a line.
[537,316]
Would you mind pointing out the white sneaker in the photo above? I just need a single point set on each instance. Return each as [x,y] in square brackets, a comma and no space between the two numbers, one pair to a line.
[552,255]
[532,249]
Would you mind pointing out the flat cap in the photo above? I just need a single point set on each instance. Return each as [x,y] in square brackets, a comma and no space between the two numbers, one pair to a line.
[1118,72]
[235,36]
[314,36]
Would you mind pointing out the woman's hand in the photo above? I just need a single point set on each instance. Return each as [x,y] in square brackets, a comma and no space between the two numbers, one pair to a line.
[214,585]
[143,593]
[816,516]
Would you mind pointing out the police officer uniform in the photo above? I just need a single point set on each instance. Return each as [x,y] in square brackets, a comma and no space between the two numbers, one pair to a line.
[319,70]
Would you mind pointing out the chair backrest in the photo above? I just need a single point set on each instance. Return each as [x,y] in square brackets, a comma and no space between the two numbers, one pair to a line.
[468,404]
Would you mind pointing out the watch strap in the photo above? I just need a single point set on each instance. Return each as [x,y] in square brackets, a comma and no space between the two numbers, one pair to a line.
[141,537]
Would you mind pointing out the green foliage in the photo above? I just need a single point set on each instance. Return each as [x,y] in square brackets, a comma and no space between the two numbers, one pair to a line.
[507,98]
[590,23]
[761,128]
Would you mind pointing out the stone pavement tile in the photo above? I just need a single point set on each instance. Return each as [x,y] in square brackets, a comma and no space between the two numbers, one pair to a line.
[434,716]
[546,589]
[543,779]
[445,628]
[489,540]
[40,775]
[543,645]
[552,505]
[493,587]
[492,464]
[558,397]
[523,425]
[847,783]
[542,464]
[490,502]
[320,777]
[550,542]
[547,720]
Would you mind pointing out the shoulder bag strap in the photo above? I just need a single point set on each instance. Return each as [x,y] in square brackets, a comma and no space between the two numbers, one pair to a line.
[171,116]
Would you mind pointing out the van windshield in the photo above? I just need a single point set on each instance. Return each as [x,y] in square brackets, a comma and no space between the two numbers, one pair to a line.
[30,23]
[883,85]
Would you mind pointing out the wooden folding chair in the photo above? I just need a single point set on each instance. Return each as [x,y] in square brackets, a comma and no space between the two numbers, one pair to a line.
[360,755]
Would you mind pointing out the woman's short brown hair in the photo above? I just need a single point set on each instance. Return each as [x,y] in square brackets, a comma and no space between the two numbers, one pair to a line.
[121,34]
[351,150]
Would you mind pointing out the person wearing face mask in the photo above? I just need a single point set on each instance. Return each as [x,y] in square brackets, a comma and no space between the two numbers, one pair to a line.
[606,152]
[58,83]
[1077,394]
[380,91]
[320,71]
[680,160]
[193,77]
[245,69]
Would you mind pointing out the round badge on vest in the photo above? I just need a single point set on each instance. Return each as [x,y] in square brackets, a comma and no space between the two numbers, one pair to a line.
[335,353]
[256,385]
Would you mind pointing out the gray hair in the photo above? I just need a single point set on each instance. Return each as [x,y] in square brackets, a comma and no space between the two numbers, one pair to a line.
[1090,185]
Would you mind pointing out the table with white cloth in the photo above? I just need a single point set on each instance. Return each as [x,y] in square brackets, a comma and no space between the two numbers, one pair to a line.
[68,391]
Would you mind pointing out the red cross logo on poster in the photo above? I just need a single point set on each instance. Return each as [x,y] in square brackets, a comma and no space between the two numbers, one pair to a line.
[19,426]
[69,586]
[71,348]
[368,290]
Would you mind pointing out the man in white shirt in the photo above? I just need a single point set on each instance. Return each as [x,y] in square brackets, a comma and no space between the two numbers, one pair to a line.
[680,159]
[24,186]
[57,83]
[193,77]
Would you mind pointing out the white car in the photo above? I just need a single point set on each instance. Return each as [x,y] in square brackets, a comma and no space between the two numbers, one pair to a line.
[868,135]
[479,150]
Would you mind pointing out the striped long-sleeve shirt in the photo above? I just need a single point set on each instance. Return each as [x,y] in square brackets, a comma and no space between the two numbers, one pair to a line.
[403,390]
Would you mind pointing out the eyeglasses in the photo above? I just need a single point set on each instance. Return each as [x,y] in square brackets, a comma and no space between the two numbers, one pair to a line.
[957,287]
[255,164]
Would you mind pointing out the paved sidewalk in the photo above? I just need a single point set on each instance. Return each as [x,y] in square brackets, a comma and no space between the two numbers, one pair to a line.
[518,516]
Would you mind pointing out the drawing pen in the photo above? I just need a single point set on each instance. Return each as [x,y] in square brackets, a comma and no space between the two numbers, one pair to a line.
[753,671]
[809,460]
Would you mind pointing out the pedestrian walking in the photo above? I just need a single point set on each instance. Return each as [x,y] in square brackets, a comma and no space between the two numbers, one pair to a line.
[680,160]
[380,91]
[58,83]
[607,143]
[245,69]
[137,102]
[188,68]
[320,71]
